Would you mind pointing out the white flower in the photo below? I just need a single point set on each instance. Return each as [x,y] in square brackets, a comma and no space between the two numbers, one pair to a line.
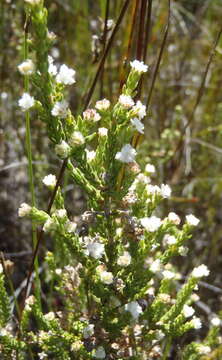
[91,115]
[103,131]
[106,277]
[102,104]
[165,191]
[151,223]
[142,178]
[192,220]
[42,355]
[156,266]
[215,321]
[174,218]
[1,269]
[188,311]
[76,139]
[70,226]
[169,239]
[60,109]
[76,346]
[49,180]
[33,2]
[88,331]
[62,149]
[27,67]
[200,271]
[138,125]
[134,308]
[150,169]
[202,349]
[183,250]
[58,271]
[30,300]
[196,322]
[139,66]
[24,210]
[66,75]
[110,23]
[90,154]
[100,353]
[52,69]
[4,95]
[127,154]
[195,297]
[61,213]
[124,260]
[49,225]
[167,274]
[153,189]
[139,109]
[126,101]
[50,316]
[96,250]
[26,102]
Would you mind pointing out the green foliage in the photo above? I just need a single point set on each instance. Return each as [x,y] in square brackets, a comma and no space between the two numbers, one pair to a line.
[113,287]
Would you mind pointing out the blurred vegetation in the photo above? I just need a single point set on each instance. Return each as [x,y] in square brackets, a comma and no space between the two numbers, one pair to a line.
[184,145]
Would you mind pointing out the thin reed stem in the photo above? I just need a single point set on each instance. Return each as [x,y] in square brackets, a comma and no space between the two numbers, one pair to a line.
[30,167]
[105,53]
[167,348]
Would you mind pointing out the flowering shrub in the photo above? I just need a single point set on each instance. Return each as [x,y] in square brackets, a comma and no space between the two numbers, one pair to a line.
[119,294]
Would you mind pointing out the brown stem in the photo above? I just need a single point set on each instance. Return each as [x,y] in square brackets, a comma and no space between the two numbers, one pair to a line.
[104,37]
[148,30]
[130,42]
[160,55]
[105,53]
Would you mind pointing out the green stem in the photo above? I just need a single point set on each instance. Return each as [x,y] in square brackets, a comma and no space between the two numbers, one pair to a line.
[167,348]
[30,167]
